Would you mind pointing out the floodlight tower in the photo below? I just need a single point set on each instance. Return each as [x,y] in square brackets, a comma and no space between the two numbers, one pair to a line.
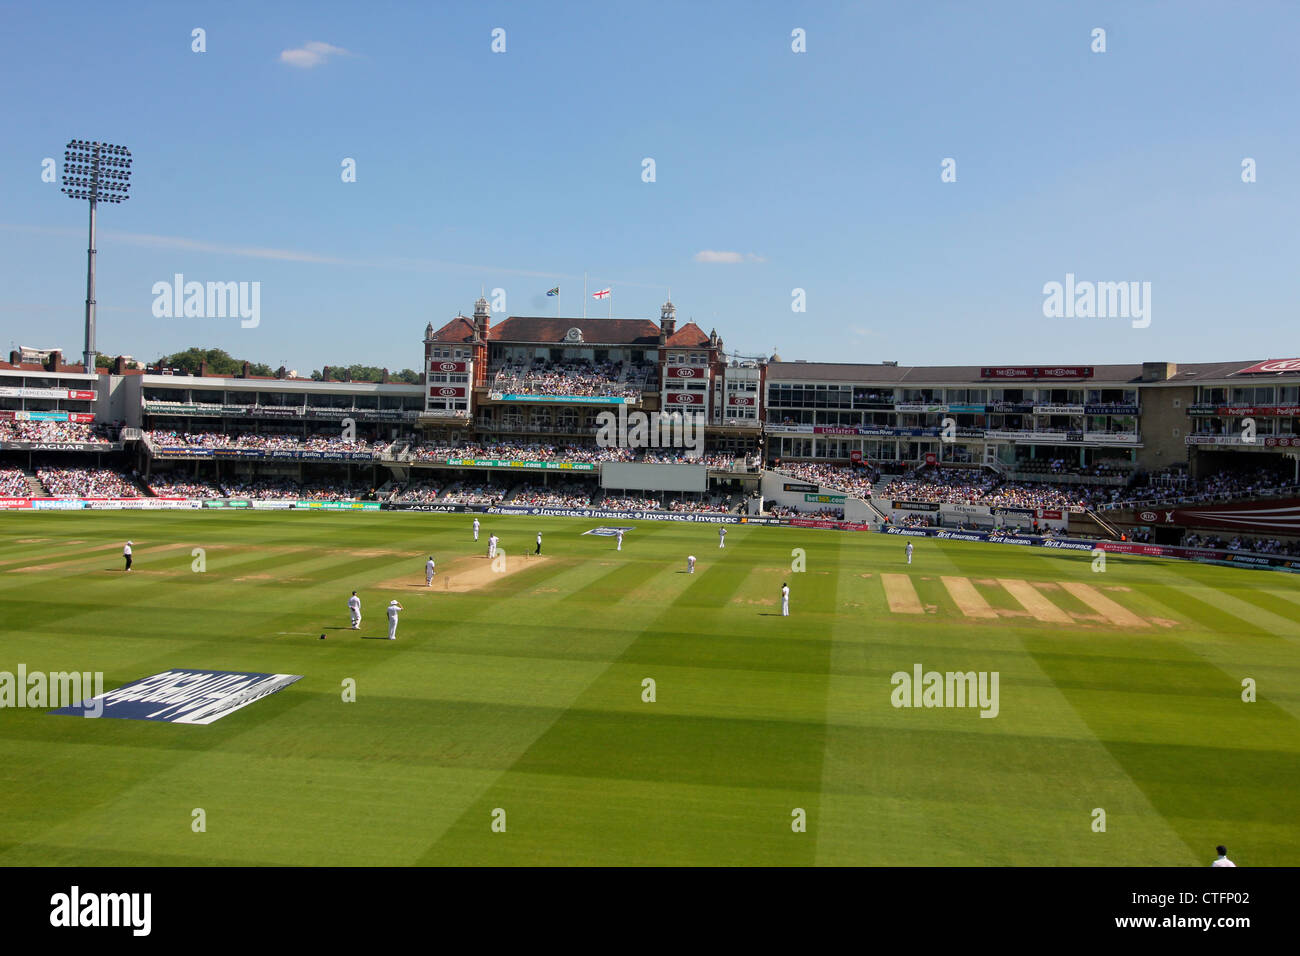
[99,172]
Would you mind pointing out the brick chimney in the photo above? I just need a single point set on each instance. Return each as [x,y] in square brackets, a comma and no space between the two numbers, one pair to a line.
[281,372]
[243,372]
[54,360]
[119,365]
[203,367]
[15,357]
[325,374]
[383,379]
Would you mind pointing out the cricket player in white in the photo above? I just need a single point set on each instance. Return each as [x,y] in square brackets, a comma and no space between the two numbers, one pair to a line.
[539,543]
[476,529]
[428,571]
[909,552]
[492,546]
[393,609]
[620,540]
[690,564]
[785,600]
[1223,857]
[354,605]
[126,553]
[722,537]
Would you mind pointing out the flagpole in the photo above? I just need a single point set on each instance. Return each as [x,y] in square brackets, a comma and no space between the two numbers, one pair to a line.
[584,295]
[611,303]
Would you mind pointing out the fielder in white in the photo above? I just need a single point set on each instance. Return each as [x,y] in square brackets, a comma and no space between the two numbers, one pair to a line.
[476,529]
[492,546]
[722,537]
[690,564]
[785,600]
[428,571]
[620,540]
[126,553]
[393,610]
[354,606]
[909,552]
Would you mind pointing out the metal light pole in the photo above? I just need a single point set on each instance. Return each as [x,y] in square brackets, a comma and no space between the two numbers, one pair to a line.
[99,172]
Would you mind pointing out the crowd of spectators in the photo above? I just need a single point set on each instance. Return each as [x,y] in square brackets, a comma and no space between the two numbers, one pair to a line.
[270,489]
[569,494]
[264,442]
[1239,543]
[790,511]
[474,493]
[520,451]
[420,492]
[849,479]
[87,483]
[971,486]
[165,486]
[629,503]
[571,378]
[1061,466]
[718,504]
[1174,486]
[81,432]
[13,483]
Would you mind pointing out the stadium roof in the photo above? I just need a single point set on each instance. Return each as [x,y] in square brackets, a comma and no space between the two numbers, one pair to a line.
[689,335]
[551,330]
[459,329]
[35,368]
[932,374]
[1114,375]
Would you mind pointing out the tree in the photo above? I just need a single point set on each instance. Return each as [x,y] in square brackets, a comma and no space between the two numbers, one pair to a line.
[220,362]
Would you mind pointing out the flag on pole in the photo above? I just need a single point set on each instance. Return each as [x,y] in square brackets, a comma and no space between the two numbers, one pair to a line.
[602,294]
[555,291]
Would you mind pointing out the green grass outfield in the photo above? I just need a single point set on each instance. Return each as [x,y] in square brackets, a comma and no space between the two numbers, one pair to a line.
[526,695]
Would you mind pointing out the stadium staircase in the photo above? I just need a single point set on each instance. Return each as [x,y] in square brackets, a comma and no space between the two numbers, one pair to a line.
[880,515]
[1102,523]
[34,487]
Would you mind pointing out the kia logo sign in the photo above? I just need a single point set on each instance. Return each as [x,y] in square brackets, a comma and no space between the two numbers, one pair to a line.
[448,391]
[685,373]
[683,398]
[1149,516]
[1282,365]
[447,367]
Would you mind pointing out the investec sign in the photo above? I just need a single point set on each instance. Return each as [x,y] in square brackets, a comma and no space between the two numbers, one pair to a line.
[184,696]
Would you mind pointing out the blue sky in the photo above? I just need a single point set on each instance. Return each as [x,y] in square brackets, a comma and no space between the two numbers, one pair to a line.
[521,170]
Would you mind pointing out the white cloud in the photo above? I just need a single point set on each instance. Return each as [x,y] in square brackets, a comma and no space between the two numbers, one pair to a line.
[311,54]
[310,257]
[729,258]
